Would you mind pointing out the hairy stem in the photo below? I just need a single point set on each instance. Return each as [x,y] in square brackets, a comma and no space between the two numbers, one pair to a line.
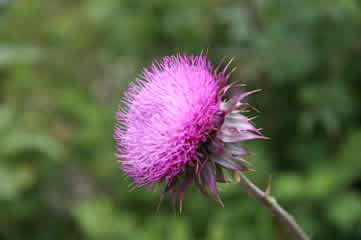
[270,203]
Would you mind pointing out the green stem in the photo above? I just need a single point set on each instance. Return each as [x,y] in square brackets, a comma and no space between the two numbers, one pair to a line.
[270,203]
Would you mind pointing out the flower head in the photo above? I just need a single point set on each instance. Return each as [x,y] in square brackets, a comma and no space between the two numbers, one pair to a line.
[177,126]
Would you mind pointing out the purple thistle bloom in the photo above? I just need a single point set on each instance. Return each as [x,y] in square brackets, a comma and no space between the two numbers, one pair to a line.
[178,126]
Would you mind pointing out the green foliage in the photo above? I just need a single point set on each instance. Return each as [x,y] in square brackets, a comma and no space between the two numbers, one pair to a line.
[65,64]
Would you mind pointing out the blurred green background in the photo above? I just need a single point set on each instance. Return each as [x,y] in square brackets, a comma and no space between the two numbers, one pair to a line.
[63,68]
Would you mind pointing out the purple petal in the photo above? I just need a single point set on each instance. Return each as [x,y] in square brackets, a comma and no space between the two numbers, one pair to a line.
[243,136]
[188,179]
[209,176]
[229,106]
[227,162]
[171,183]
[200,187]
[216,147]
[235,149]
[174,199]
[239,122]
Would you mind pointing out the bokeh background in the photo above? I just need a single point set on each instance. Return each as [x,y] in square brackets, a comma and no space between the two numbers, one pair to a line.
[63,68]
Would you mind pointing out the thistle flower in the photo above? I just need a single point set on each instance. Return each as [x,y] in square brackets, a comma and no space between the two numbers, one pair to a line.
[179,126]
